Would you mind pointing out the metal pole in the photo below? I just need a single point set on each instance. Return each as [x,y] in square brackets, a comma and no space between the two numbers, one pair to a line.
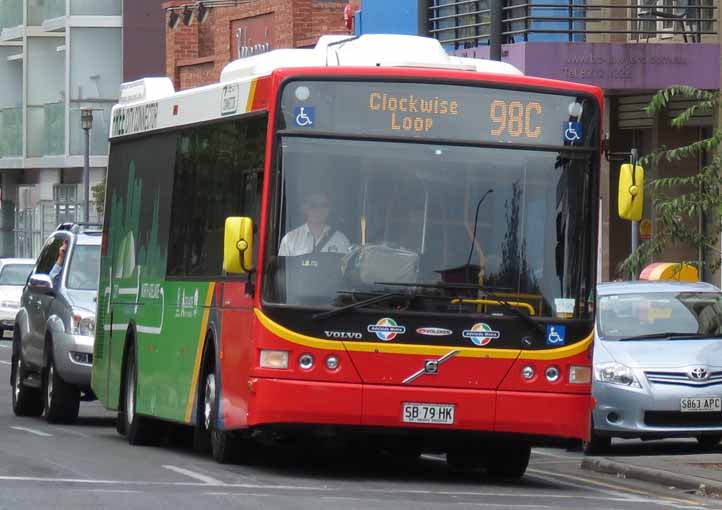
[497,27]
[86,175]
[633,157]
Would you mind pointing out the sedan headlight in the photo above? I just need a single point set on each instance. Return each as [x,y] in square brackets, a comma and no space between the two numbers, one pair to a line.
[83,324]
[616,373]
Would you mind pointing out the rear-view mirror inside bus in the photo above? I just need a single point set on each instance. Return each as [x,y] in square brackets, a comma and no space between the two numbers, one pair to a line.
[631,192]
[238,245]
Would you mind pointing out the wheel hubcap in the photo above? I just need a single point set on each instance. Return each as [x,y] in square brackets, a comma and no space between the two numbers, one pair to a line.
[209,400]
[16,389]
[130,396]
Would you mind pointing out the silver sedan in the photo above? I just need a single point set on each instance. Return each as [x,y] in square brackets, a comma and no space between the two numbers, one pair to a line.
[657,363]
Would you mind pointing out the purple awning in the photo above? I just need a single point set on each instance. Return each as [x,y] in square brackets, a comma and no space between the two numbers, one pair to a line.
[615,66]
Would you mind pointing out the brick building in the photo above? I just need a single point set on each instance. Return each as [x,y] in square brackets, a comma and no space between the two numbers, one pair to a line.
[196,53]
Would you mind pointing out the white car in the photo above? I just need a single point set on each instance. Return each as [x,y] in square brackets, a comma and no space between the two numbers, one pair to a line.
[13,276]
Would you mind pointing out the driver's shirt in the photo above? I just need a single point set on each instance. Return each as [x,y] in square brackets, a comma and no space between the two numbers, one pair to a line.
[300,241]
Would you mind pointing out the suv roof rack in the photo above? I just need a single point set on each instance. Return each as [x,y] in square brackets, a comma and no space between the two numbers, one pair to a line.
[76,227]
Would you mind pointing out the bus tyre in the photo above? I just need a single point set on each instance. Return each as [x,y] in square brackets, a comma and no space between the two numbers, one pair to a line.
[225,445]
[508,460]
[26,401]
[140,430]
[464,460]
[61,400]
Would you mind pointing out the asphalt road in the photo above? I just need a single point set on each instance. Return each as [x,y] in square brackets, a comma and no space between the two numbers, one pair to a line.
[88,465]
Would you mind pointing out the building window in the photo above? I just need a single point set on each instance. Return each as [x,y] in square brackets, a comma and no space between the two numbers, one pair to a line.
[460,23]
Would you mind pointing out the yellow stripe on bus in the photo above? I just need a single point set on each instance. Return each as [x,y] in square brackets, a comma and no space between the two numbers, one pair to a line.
[199,352]
[428,350]
[251,96]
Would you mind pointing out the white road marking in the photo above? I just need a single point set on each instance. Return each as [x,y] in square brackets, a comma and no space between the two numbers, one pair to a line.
[71,432]
[235,494]
[5,362]
[208,480]
[5,346]
[615,492]
[32,431]
[381,492]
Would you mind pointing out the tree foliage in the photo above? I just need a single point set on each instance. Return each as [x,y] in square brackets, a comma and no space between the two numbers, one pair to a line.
[678,201]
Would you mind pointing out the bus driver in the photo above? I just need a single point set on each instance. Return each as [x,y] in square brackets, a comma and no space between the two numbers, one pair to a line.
[315,235]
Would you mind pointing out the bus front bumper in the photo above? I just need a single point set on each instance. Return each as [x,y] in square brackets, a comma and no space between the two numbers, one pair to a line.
[283,401]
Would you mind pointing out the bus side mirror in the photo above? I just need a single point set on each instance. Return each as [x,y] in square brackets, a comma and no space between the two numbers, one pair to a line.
[238,245]
[631,192]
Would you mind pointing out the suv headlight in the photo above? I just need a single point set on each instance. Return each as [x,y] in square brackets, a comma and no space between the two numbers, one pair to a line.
[83,325]
[616,373]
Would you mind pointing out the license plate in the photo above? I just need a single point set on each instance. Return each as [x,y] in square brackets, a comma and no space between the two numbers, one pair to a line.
[7,333]
[437,414]
[700,405]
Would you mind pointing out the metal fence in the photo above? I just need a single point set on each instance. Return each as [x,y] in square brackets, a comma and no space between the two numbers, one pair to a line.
[467,23]
[34,225]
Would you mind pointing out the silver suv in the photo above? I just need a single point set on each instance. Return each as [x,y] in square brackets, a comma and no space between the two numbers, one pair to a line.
[55,327]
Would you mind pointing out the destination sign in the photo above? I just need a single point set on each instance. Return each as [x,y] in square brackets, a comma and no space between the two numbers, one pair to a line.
[432,111]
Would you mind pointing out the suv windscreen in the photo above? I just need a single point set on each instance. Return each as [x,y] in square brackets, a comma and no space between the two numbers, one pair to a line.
[84,268]
[15,274]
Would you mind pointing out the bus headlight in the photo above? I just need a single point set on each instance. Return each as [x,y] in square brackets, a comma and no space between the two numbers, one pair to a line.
[332,362]
[580,375]
[305,361]
[274,359]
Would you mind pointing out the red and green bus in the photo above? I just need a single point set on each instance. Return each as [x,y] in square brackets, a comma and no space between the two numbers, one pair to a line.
[371,239]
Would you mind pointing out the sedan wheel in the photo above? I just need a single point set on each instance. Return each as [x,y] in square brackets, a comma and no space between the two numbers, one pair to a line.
[709,442]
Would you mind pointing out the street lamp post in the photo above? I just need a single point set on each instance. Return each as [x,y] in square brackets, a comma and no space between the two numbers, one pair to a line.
[86,122]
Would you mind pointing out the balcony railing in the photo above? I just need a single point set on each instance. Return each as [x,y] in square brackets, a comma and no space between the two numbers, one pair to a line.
[11,13]
[467,23]
[11,132]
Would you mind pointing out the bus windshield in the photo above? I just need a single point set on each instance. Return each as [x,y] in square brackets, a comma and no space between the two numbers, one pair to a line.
[355,218]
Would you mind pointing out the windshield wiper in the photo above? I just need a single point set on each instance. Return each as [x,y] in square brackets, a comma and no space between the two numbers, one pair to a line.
[655,336]
[359,304]
[485,290]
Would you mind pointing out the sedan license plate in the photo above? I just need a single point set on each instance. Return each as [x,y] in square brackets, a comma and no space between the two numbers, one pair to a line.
[437,414]
[700,405]
[7,333]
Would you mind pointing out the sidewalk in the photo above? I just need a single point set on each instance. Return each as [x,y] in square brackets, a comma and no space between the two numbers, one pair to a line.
[700,472]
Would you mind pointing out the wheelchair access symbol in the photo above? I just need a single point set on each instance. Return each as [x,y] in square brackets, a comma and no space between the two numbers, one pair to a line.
[573,132]
[556,334]
[304,115]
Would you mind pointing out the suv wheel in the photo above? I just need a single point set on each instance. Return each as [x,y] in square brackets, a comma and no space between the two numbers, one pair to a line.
[26,401]
[62,400]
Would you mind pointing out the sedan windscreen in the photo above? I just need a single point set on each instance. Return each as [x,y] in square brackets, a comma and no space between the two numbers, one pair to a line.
[660,313]
[15,274]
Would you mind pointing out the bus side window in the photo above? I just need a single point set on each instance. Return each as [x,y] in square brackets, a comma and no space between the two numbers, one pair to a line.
[218,174]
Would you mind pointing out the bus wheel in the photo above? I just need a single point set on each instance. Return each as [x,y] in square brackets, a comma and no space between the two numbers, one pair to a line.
[141,430]
[62,400]
[508,460]
[464,460]
[225,445]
